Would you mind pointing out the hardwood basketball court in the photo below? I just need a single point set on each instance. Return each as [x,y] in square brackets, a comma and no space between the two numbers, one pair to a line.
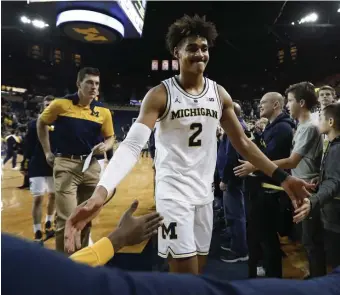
[17,204]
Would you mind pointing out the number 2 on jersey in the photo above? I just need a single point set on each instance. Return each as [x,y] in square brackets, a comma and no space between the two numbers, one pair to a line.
[193,141]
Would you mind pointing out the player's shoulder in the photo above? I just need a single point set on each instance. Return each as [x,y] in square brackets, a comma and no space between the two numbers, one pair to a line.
[222,94]
[168,80]
[157,92]
[156,98]
[219,87]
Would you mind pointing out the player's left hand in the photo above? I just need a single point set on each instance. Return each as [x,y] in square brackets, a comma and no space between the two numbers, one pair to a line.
[303,211]
[245,169]
[297,190]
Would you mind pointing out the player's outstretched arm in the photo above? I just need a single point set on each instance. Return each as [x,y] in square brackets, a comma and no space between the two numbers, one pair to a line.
[129,150]
[295,188]
[120,164]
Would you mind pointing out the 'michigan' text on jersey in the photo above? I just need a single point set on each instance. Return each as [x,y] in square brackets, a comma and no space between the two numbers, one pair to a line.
[186,144]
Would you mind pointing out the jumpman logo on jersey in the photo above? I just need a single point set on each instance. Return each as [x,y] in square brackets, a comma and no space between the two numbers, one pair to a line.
[177,100]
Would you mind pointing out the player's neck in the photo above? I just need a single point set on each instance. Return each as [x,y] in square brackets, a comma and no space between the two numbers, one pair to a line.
[191,81]
[304,116]
[84,101]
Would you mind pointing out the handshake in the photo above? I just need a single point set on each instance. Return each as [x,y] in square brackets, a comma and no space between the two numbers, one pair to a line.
[130,231]
[304,209]
[297,190]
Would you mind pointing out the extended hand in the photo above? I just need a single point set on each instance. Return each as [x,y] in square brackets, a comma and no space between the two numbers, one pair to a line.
[80,217]
[315,181]
[245,169]
[297,190]
[303,211]
[137,229]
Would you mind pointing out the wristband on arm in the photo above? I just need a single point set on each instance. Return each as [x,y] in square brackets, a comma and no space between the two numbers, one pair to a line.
[279,175]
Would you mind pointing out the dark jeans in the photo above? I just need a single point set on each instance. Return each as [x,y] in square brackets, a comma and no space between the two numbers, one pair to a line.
[13,155]
[263,228]
[235,216]
[332,247]
[313,242]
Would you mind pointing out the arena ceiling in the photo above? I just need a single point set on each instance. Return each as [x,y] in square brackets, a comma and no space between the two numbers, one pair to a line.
[250,35]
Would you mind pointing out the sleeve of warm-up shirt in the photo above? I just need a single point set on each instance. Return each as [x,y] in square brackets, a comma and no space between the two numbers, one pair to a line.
[97,254]
[23,262]
[51,113]
[330,187]
[107,127]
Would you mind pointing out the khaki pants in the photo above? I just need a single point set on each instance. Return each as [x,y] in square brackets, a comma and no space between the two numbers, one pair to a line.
[72,187]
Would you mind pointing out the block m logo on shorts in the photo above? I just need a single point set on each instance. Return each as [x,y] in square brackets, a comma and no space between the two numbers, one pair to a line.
[169,230]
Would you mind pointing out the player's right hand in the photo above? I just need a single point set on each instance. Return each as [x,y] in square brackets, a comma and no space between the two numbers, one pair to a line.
[80,217]
[297,190]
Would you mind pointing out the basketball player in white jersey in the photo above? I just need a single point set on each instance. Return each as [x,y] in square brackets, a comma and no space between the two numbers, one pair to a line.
[188,109]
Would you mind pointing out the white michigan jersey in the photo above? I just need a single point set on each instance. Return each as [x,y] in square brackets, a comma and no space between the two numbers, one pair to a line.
[186,144]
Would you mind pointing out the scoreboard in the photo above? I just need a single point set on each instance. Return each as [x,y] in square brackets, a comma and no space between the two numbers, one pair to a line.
[135,12]
[100,22]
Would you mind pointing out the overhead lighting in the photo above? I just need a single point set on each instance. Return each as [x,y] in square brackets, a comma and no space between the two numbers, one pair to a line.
[310,18]
[293,23]
[25,20]
[339,10]
[39,24]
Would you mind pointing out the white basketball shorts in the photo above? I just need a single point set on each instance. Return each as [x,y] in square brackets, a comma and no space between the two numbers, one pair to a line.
[41,185]
[186,229]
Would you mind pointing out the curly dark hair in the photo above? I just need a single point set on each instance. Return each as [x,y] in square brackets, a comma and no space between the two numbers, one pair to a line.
[188,26]
[305,91]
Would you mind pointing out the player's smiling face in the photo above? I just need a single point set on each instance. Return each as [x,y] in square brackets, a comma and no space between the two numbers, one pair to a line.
[193,54]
